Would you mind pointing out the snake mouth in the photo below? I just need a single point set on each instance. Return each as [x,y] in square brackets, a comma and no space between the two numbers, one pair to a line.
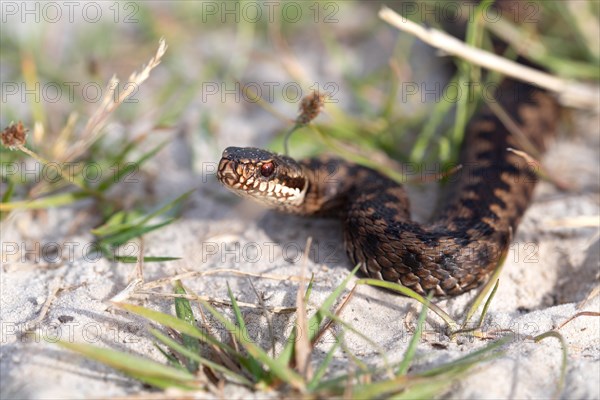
[227,174]
[264,176]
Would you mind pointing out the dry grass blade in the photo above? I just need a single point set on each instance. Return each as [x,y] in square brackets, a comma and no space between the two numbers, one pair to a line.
[541,171]
[337,312]
[166,281]
[255,97]
[303,345]
[572,94]
[435,177]
[136,283]
[139,265]
[266,314]
[576,221]
[580,314]
[285,54]
[513,127]
[54,289]
[219,302]
[593,293]
[223,356]
[110,103]
[130,290]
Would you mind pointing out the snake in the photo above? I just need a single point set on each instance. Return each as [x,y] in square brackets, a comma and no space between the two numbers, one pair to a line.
[460,247]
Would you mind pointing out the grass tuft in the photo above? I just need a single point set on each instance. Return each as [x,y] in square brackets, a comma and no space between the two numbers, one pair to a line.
[191,348]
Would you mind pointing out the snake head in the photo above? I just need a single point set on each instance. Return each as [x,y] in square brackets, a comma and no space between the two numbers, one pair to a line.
[275,180]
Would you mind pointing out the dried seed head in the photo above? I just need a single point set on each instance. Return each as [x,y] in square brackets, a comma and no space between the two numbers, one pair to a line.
[14,135]
[310,107]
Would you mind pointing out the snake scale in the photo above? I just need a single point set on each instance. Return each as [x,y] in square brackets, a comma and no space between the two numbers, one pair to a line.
[455,252]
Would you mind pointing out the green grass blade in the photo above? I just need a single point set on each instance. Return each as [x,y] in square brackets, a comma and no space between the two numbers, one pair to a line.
[287,354]
[429,389]
[173,345]
[563,366]
[350,328]
[339,383]
[432,387]
[113,227]
[277,368]
[136,231]
[468,73]
[358,158]
[146,370]
[487,304]
[9,192]
[440,111]
[238,313]
[577,26]
[412,294]
[116,178]
[490,285]
[409,387]
[7,195]
[253,366]
[323,367]
[471,358]
[121,172]
[176,324]
[173,361]
[120,157]
[167,207]
[309,288]
[414,341]
[539,52]
[57,200]
[430,382]
[133,260]
[115,223]
[382,388]
[183,309]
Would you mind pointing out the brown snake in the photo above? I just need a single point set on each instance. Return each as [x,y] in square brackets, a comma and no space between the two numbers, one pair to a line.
[452,254]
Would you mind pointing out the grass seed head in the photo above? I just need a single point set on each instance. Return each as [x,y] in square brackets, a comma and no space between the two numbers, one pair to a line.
[310,107]
[14,135]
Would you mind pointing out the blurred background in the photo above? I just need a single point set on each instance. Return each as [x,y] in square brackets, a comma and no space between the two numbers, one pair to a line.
[234,72]
[222,58]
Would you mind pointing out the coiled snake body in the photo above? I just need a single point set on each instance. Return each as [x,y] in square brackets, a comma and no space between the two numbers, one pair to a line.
[455,252]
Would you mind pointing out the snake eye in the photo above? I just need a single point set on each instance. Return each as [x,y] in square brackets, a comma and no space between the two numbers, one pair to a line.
[267,169]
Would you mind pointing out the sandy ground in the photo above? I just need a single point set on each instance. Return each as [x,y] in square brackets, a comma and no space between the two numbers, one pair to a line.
[552,266]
